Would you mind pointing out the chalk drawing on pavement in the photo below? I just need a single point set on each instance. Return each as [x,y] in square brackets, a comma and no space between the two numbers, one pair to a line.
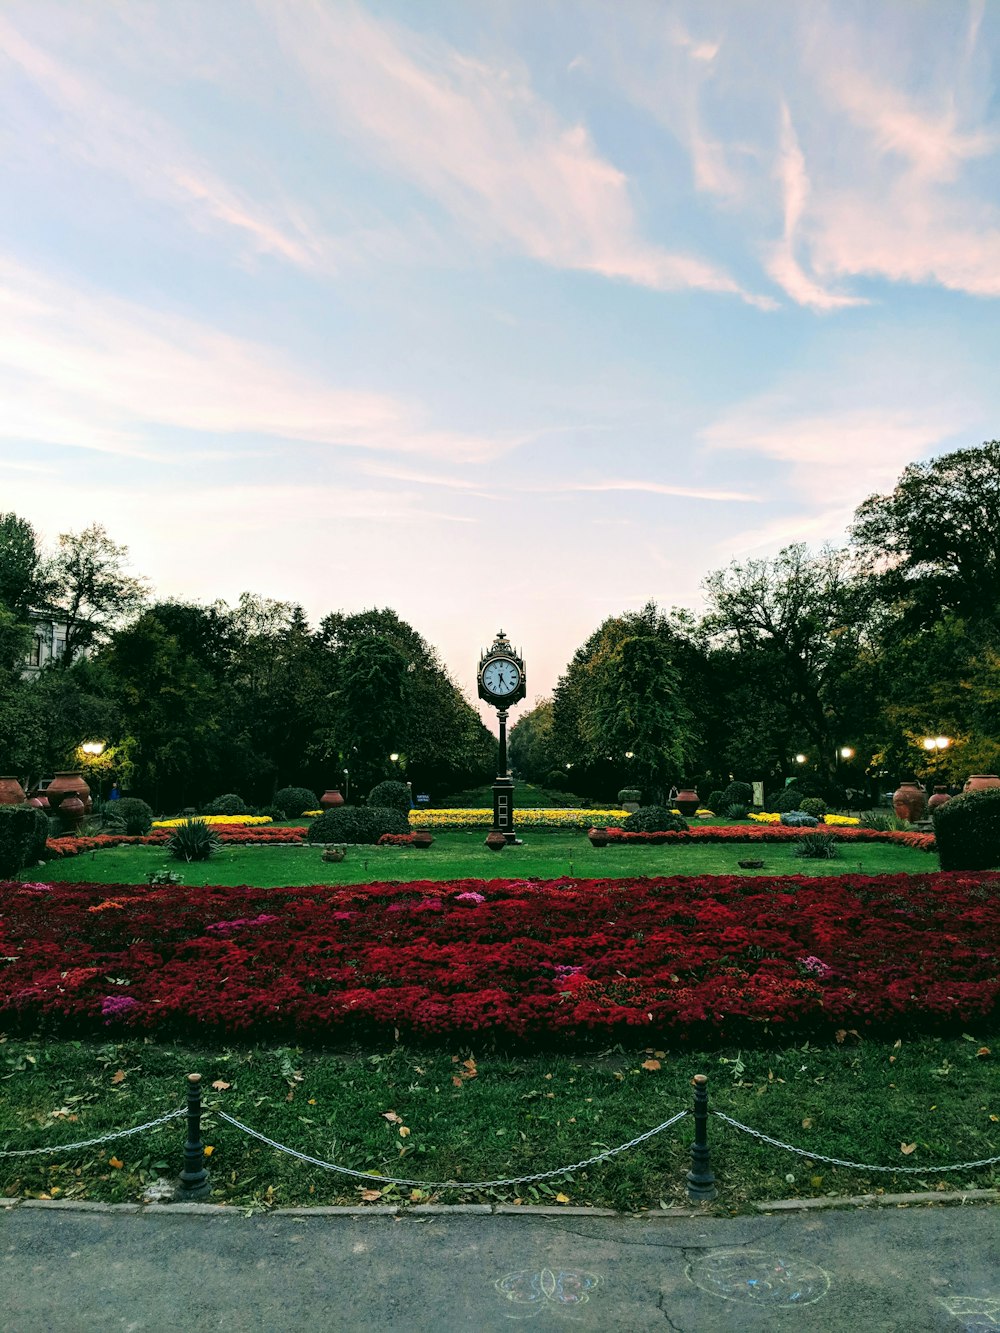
[756,1278]
[559,1291]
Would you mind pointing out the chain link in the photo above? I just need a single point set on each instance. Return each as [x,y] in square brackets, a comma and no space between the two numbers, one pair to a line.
[857,1166]
[463,1185]
[90,1143]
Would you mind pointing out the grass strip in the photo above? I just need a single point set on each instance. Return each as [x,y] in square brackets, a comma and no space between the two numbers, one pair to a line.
[474,1115]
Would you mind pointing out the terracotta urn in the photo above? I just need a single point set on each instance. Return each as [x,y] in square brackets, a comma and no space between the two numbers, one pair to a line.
[495,841]
[11,792]
[939,799]
[68,784]
[981,782]
[421,838]
[39,802]
[334,854]
[687,801]
[72,810]
[330,799]
[910,802]
[598,837]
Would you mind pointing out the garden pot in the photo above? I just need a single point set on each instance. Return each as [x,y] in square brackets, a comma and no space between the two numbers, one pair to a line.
[11,792]
[68,784]
[495,841]
[939,799]
[910,802]
[39,802]
[687,802]
[330,799]
[598,837]
[421,839]
[750,865]
[981,782]
[72,810]
[334,854]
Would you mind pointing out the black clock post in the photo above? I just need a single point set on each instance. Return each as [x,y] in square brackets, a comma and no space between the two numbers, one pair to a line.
[501,683]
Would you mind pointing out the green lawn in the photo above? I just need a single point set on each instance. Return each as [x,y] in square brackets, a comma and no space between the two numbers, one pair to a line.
[462,855]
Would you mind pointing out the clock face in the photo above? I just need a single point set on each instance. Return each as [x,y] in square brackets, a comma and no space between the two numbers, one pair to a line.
[501,677]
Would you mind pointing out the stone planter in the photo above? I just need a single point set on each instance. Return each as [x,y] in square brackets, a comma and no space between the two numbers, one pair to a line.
[334,854]
[11,792]
[598,837]
[495,841]
[910,802]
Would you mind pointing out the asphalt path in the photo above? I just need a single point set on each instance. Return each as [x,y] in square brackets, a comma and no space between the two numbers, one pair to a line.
[156,1270]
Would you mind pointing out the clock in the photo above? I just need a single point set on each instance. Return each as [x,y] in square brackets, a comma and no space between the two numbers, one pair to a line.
[501,674]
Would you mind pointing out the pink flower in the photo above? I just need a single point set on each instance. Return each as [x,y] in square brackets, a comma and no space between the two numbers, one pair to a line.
[469,898]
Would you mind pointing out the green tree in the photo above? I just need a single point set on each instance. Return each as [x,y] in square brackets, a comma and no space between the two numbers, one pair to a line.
[25,577]
[531,744]
[92,588]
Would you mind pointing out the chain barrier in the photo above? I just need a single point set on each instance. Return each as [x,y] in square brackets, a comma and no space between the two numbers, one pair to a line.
[464,1185]
[90,1143]
[857,1166]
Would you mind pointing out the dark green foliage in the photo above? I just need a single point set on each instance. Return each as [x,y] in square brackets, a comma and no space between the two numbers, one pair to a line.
[789,799]
[654,819]
[735,810]
[292,801]
[737,793]
[349,824]
[630,794]
[136,815]
[393,795]
[817,846]
[813,805]
[230,804]
[194,840]
[276,812]
[714,802]
[23,830]
[557,779]
[967,830]
[886,821]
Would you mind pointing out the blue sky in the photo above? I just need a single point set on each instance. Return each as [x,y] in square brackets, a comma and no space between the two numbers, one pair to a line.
[516,314]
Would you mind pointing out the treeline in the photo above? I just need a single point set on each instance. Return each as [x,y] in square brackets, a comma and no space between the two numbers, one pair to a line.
[832,666]
[193,701]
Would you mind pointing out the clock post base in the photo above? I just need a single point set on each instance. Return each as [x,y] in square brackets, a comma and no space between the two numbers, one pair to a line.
[503,809]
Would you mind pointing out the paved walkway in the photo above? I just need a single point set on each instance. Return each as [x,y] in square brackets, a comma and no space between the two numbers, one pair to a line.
[157,1270]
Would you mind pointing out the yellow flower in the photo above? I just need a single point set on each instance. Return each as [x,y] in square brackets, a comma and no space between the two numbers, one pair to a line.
[248,820]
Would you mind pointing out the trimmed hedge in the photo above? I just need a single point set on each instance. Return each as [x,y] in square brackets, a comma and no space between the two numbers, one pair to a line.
[347,823]
[23,830]
[967,830]
[737,793]
[654,819]
[390,795]
[229,804]
[136,815]
[294,801]
[788,799]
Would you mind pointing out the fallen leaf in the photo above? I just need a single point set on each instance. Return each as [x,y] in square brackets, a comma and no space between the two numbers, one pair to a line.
[416,1196]
[312,1101]
[562,1198]
[839,1036]
[983,1052]
[807,1123]
[118,1076]
[660,1055]
[220,1085]
[208,1149]
[651,1064]
[392,1117]
[404,1133]
[896,1044]
[907,1148]
[116,1162]
[370,1196]
[457,1082]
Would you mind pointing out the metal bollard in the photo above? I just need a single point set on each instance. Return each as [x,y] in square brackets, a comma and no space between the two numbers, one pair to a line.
[194,1182]
[700,1180]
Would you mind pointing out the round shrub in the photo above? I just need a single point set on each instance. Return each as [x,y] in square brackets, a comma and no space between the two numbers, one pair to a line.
[388,795]
[737,793]
[292,801]
[813,805]
[790,798]
[23,830]
[557,779]
[629,794]
[967,831]
[654,819]
[273,812]
[136,815]
[194,840]
[347,823]
[230,804]
[714,802]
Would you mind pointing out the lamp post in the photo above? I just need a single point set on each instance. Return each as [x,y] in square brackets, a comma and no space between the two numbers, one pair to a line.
[347,784]
[934,746]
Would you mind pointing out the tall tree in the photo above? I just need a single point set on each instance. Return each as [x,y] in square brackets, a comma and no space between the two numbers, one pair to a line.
[92,588]
[25,577]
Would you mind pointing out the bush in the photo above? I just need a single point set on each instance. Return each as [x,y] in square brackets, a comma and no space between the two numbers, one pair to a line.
[967,830]
[813,805]
[654,819]
[817,846]
[714,802]
[230,804]
[389,796]
[790,798]
[107,817]
[738,793]
[23,830]
[136,815]
[349,824]
[158,879]
[557,778]
[735,810]
[194,840]
[629,794]
[885,821]
[293,801]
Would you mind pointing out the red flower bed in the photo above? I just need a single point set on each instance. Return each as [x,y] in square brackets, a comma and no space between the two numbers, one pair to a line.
[72,845]
[774,833]
[680,958]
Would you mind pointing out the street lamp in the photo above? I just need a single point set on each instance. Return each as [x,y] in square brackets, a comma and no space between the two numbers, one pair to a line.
[629,754]
[846,752]
[92,748]
[394,757]
[934,745]
[800,758]
[347,784]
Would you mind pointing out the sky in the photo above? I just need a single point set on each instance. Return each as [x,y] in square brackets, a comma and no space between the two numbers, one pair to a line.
[505,315]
